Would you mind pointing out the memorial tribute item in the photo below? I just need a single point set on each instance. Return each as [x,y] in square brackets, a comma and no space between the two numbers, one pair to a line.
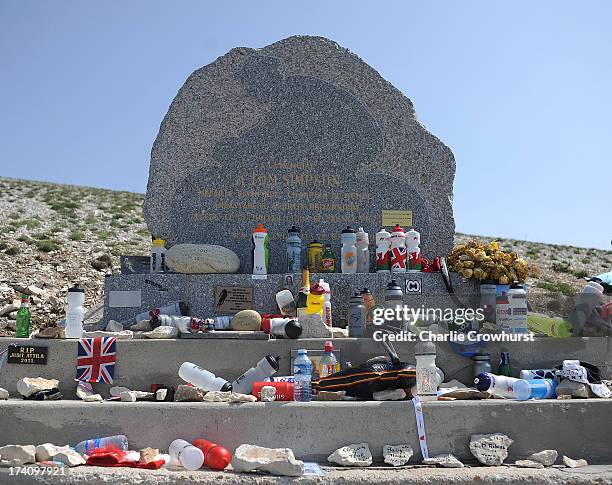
[398,250]
[383,251]
[294,250]
[96,359]
[261,251]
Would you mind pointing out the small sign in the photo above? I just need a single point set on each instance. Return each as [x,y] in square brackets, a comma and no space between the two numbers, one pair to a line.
[232,299]
[413,286]
[27,354]
[125,299]
[392,217]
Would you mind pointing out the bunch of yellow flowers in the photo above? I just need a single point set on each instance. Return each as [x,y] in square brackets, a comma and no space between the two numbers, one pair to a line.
[487,262]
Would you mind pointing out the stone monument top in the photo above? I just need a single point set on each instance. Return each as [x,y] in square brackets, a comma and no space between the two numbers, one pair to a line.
[299,132]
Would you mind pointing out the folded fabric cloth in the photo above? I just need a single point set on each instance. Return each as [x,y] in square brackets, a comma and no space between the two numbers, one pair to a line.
[114,458]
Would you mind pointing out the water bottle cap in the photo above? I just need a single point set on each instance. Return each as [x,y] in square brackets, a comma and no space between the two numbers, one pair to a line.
[294,229]
[159,242]
[483,382]
[397,228]
[348,230]
[260,228]
[302,352]
[227,387]
[273,361]
[317,289]
[366,291]
[293,329]
[76,289]
[424,347]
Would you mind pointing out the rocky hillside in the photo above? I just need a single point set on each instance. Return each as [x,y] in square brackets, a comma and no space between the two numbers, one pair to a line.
[52,236]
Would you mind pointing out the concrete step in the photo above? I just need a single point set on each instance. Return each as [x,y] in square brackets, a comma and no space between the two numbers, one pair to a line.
[577,428]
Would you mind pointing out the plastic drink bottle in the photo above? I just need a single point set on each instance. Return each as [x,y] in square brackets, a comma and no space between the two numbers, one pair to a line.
[302,374]
[216,457]
[304,289]
[537,374]
[363,251]
[327,307]
[199,377]
[487,300]
[329,364]
[265,368]
[261,250]
[118,442]
[357,316]
[75,313]
[502,307]
[383,254]
[315,256]
[535,389]
[413,251]
[348,253]
[186,454]
[517,298]
[398,250]
[315,299]
[294,250]
[183,324]
[174,308]
[158,256]
[368,301]
[22,325]
[281,326]
[394,298]
[553,327]
[285,302]
[499,385]
[426,370]
[328,261]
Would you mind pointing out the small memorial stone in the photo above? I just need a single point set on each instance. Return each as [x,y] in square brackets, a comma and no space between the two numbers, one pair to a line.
[397,455]
[490,449]
[352,455]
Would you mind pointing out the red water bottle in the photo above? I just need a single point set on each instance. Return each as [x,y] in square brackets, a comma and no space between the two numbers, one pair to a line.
[215,456]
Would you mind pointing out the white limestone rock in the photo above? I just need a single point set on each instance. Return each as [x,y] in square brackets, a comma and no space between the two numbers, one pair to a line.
[223,396]
[17,455]
[390,395]
[114,326]
[4,394]
[528,464]
[397,455]
[47,451]
[313,326]
[31,385]
[93,398]
[161,394]
[567,461]
[545,457]
[70,458]
[116,391]
[189,394]
[133,396]
[445,461]
[352,455]
[490,449]
[277,461]
[162,332]
[202,258]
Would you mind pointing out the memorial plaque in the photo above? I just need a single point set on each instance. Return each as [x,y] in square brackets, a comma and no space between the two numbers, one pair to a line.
[300,132]
[27,354]
[232,299]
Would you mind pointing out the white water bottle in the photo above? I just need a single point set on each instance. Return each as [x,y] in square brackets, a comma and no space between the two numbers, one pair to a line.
[363,251]
[199,377]
[383,256]
[186,454]
[158,256]
[265,368]
[327,306]
[426,371]
[348,253]
[398,250]
[182,324]
[517,299]
[502,386]
[75,313]
[261,251]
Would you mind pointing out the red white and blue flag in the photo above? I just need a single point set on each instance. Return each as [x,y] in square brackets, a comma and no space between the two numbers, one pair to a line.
[96,359]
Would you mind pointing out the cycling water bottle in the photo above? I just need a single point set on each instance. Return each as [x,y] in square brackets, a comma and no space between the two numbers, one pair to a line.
[302,374]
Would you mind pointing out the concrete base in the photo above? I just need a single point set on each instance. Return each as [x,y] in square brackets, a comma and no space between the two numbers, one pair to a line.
[579,429]
[141,363]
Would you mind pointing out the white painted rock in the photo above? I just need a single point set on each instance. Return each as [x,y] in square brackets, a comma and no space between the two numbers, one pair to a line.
[567,461]
[93,398]
[69,458]
[397,455]
[47,451]
[31,385]
[389,395]
[246,320]
[114,326]
[222,396]
[4,394]
[277,461]
[189,394]
[202,258]
[313,326]
[445,461]
[528,464]
[490,449]
[116,391]
[163,331]
[17,455]
[546,457]
[352,455]
[133,396]
[161,394]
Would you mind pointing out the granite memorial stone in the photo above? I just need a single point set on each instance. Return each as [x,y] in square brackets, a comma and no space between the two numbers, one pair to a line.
[299,132]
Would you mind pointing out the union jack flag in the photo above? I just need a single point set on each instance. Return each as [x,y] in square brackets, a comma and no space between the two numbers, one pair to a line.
[96,359]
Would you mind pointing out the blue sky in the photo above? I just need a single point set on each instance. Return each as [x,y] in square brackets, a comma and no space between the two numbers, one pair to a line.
[521,91]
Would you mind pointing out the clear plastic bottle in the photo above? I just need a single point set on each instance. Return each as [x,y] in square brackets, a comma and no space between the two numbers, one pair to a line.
[186,454]
[75,313]
[302,375]
[535,389]
[199,377]
[118,442]
[348,253]
[363,251]
[158,256]
[329,364]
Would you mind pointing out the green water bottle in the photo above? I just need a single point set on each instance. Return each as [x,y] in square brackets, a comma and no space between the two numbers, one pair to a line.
[22,328]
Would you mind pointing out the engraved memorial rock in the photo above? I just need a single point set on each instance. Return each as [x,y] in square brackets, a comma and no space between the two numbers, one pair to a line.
[299,132]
